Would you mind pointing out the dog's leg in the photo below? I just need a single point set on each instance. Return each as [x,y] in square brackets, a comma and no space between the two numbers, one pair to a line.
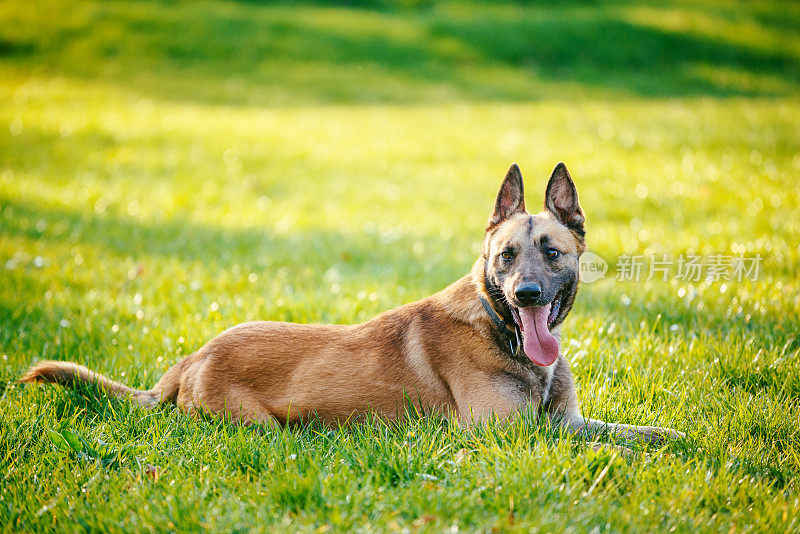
[565,411]
[594,427]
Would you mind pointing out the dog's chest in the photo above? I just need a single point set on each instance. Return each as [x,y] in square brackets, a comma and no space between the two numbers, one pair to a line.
[529,384]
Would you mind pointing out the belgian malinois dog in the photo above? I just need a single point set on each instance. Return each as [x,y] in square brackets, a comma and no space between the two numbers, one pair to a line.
[487,345]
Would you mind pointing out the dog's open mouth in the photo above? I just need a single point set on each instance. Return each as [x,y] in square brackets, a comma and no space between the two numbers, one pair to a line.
[535,321]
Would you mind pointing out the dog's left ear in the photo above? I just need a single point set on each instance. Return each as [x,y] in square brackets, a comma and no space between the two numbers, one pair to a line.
[510,198]
[561,199]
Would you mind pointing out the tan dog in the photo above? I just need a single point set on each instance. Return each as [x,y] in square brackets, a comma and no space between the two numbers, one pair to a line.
[487,344]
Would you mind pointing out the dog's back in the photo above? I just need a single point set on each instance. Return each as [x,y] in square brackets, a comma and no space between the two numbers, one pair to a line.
[278,372]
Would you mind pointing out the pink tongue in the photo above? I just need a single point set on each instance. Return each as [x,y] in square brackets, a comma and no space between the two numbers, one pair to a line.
[540,345]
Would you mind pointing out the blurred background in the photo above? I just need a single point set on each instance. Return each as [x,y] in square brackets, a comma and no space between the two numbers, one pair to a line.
[169,169]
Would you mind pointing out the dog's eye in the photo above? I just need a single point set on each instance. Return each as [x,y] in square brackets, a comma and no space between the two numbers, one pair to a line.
[506,255]
[552,253]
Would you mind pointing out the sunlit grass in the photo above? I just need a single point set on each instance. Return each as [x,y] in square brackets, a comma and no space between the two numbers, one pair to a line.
[156,194]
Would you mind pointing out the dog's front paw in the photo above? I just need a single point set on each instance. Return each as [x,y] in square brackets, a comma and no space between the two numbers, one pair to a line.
[658,435]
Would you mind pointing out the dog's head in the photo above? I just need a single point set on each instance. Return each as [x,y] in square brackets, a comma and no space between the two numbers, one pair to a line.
[531,265]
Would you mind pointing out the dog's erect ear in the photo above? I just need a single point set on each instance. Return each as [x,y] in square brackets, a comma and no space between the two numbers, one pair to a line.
[510,198]
[561,199]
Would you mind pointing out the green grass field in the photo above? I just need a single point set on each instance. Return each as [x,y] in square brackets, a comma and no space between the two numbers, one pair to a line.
[171,169]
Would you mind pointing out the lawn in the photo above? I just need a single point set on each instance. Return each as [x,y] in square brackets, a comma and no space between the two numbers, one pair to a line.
[171,169]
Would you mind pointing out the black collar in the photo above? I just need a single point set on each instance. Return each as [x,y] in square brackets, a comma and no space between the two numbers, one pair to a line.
[511,333]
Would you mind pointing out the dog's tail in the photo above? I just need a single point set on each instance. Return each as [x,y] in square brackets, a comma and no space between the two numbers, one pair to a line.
[70,374]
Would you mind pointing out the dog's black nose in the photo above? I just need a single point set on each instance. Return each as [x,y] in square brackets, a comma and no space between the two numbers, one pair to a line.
[528,293]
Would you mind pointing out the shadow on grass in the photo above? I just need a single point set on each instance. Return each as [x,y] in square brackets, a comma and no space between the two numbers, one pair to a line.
[249,53]
[251,249]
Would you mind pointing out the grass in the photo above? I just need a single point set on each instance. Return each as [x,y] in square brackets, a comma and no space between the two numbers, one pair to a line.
[168,170]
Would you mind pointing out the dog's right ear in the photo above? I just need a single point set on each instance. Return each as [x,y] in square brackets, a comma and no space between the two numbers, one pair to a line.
[510,198]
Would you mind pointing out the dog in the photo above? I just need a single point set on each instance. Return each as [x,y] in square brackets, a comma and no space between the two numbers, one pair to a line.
[486,346]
